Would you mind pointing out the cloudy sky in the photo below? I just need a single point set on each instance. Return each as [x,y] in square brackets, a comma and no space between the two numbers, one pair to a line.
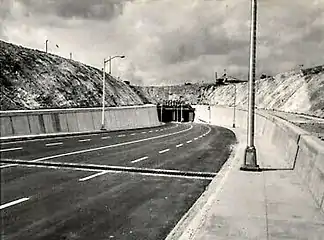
[170,41]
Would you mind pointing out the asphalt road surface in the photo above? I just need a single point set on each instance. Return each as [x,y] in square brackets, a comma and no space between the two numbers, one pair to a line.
[133,184]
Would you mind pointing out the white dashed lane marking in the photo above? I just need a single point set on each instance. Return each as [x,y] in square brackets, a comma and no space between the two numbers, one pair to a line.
[133,134]
[121,135]
[164,151]
[143,132]
[11,149]
[13,203]
[140,159]
[189,141]
[179,145]
[93,176]
[85,140]
[53,144]
[106,137]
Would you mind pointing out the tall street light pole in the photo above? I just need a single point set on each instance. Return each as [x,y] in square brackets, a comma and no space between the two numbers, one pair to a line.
[104,87]
[250,158]
[46,45]
[234,105]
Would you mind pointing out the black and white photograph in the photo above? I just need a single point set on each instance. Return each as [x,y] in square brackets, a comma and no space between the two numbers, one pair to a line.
[162,119]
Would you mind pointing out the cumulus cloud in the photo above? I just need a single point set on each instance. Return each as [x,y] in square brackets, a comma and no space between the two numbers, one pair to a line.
[167,41]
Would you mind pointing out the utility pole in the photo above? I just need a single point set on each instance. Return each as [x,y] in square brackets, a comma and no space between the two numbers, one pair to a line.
[250,157]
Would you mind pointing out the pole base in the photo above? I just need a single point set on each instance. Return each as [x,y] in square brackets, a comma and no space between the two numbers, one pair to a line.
[250,168]
[103,128]
[250,160]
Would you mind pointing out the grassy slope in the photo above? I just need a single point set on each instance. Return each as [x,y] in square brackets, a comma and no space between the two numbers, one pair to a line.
[32,79]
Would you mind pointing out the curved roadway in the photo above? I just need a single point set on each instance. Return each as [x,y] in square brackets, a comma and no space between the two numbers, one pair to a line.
[133,184]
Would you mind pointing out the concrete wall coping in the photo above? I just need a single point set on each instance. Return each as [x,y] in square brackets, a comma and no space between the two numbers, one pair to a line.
[69,110]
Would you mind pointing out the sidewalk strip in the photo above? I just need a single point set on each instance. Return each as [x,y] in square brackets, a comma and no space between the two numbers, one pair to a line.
[10,149]
[179,145]
[140,159]
[165,150]
[13,203]
[53,144]
[93,176]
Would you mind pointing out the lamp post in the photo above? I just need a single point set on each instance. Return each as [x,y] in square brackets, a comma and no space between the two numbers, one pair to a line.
[46,45]
[250,158]
[234,105]
[104,87]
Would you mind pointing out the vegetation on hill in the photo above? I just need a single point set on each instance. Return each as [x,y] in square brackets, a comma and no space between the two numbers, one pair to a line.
[32,79]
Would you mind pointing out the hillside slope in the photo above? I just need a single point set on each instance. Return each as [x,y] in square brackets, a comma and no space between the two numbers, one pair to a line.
[295,91]
[31,79]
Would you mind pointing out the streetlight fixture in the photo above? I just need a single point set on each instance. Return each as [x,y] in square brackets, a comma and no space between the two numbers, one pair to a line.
[104,87]
[250,158]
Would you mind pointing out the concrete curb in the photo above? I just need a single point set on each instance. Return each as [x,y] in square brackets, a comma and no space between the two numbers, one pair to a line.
[193,219]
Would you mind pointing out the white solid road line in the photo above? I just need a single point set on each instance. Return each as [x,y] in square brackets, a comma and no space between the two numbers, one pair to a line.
[165,150]
[179,145]
[109,146]
[53,144]
[8,165]
[189,141]
[106,137]
[140,159]
[85,140]
[13,203]
[10,149]
[93,176]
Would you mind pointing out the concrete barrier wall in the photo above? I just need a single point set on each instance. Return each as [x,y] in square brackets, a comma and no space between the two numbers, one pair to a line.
[299,150]
[33,122]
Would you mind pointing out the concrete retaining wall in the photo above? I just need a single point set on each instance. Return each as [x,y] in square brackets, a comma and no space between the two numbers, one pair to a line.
[300,151]
[33,122]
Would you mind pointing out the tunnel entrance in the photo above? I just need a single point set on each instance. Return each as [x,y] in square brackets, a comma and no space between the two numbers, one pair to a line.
[175,111]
